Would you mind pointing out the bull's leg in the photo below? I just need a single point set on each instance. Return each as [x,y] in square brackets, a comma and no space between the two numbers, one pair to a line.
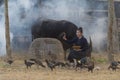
[32,37]
[65,55]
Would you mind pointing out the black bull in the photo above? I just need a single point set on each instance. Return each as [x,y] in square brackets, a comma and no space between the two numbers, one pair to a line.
[55,29]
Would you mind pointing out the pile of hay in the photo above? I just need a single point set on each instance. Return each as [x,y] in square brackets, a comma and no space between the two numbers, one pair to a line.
[46,48]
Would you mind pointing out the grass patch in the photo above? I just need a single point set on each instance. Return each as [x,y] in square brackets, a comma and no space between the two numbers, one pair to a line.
[101,60]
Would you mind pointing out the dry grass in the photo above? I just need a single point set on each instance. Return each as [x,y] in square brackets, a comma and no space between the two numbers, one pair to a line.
[18,71]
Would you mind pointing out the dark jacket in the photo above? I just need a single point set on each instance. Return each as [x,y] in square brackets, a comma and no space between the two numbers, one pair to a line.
[82,42]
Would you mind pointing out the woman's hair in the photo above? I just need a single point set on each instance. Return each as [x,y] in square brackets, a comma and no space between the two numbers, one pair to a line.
[80,29]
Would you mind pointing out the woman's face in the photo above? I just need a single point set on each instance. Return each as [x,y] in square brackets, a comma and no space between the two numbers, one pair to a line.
[78,33]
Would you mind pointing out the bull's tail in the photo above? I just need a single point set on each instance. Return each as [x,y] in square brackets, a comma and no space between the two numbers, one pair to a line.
[90,48]
[90,44]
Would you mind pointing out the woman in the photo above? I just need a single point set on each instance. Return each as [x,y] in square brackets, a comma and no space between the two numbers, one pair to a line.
[81,42]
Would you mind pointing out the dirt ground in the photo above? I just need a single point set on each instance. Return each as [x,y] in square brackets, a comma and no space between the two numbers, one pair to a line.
[18,71]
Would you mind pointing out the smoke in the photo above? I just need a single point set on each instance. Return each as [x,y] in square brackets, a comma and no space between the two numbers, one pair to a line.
[24,13]
[99,34]
[2,37]
[84,14]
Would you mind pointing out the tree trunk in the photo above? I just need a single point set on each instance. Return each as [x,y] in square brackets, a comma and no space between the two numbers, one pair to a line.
[111,29]
[7,32]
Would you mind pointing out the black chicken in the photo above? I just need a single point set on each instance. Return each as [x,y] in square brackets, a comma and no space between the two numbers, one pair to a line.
[67,64]
[38,62]
[90,66]
[78,65]
[51,65]
[59,64]
[10,61]
[118,62]
[28,63]
[114,65]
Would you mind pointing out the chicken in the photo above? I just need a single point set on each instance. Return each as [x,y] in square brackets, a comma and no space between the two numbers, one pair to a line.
[28,63]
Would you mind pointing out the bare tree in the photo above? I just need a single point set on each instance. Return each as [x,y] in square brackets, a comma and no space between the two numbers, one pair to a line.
[111,30]
[7,31]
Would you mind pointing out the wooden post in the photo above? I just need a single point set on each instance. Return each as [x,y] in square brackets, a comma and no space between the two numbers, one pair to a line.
[7,32]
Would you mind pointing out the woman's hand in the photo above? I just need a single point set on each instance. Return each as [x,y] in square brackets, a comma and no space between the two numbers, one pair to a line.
[79,50]
[64,37]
